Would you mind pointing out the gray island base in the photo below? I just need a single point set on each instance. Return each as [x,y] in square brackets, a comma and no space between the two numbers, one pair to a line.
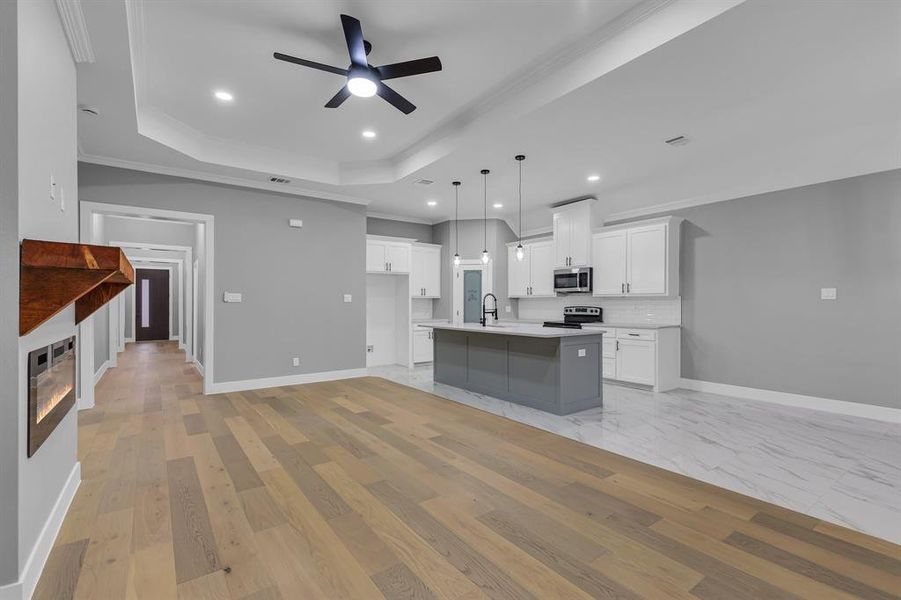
[554,370]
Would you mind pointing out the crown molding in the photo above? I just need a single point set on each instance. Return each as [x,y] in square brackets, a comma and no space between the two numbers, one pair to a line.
[215,178]
[72,18]
[390,217]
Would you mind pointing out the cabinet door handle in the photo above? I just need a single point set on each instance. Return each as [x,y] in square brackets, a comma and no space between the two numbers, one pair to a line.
[628,288]
[634,334]
[617,345]
[622,288]
[386,266]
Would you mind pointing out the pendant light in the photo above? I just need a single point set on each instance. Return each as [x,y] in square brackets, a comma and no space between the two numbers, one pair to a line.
[485,256]
[456,185]
[520,251]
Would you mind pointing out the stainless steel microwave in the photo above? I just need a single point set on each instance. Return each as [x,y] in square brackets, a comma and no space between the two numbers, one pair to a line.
[572,281]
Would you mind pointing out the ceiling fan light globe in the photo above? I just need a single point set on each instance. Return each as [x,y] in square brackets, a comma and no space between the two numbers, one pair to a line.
[361,86]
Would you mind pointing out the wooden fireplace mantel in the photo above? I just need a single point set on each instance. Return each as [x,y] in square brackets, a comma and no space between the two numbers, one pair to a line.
[53,275]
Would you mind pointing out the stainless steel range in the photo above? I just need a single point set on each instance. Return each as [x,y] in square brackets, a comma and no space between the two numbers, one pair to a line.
[574,316]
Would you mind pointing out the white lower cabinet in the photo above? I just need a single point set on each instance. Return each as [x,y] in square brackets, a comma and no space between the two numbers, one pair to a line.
[643,356]
[423,346]
[636,361]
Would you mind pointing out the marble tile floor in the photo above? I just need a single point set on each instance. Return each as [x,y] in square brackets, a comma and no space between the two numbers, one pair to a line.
[843,469]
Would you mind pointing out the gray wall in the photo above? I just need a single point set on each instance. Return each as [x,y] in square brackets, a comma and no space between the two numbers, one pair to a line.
[752,269]
[101,336]
[292,302]
[472,242]
[419,231]
[9,296]
[46,140]
[153,232]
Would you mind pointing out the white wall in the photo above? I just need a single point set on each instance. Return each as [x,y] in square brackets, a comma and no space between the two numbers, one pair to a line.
[9,296]
[47,146]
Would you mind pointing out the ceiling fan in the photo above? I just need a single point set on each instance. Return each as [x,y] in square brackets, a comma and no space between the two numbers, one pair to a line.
[363,79]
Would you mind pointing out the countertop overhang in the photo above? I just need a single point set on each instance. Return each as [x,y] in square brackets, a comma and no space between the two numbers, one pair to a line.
[520,329]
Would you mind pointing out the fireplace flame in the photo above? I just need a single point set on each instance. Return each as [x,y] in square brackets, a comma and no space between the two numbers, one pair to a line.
[47,406]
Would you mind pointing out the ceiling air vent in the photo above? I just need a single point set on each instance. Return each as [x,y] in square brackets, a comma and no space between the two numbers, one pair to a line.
[423,182]
[279,180]
[679,140]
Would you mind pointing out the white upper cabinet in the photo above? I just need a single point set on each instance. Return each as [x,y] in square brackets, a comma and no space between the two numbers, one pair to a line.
[647,260]
[517,273]
[541,269]
[387,256]
[610,263]
[426,271]
[572,234]
[534,274]
[638,259]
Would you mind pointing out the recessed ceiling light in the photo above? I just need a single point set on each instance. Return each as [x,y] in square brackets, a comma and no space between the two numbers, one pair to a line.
[594,178]
[497,205]
[368,134]
[223,96]
[432,203]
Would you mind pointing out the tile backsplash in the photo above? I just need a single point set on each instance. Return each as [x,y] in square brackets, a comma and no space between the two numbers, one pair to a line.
[616,310]
[421,309]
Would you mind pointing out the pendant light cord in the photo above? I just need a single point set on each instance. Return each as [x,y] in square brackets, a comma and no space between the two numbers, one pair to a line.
[456,185]
[485,192]
[519,158]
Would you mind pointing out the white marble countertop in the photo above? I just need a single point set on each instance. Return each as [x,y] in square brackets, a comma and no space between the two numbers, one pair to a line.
[518,328]
[629,325]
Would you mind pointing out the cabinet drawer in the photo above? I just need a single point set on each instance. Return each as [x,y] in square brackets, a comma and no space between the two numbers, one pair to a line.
[637,334]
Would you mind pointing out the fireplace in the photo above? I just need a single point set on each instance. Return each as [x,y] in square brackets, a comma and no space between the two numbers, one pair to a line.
[51,389]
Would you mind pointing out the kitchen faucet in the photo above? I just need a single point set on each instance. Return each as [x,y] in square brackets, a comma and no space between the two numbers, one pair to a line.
[486,312]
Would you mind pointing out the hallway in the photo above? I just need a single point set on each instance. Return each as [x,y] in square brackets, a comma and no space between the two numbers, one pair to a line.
[364,488]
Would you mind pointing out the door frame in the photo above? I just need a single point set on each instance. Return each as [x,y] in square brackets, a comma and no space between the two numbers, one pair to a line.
[185,333]
[170,269]
[91,232]
[457,274]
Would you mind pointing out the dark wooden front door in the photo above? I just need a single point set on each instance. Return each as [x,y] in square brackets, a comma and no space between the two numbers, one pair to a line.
[151,304]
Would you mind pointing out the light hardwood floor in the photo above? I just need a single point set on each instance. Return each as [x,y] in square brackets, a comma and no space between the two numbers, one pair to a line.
[364,489]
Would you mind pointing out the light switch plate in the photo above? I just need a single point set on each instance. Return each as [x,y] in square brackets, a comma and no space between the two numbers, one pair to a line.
[348,298]
[581,352]
[507,308]
[827,293]
[296,361]
[295,223]
[231,297]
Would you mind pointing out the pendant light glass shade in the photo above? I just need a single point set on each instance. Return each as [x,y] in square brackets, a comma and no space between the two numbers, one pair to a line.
[457,259]
[485,256]
[520,251]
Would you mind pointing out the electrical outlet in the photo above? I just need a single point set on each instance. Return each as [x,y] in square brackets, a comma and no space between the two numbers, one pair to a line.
[827,293]
[296,361]
[507,308]
[348,298]
[370,349]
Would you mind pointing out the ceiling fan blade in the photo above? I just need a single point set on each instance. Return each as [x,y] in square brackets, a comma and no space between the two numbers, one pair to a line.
[410,67]
[353,33]
[339,98]
[309,63]
[395,99]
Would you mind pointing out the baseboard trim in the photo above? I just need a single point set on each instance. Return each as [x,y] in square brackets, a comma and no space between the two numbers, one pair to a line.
[99,374]
[269,382]
[173,338]
[28,580]
[842,407]
[198,366]
[129,340]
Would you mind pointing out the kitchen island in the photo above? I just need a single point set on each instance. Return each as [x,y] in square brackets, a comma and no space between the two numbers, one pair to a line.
[553,369]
